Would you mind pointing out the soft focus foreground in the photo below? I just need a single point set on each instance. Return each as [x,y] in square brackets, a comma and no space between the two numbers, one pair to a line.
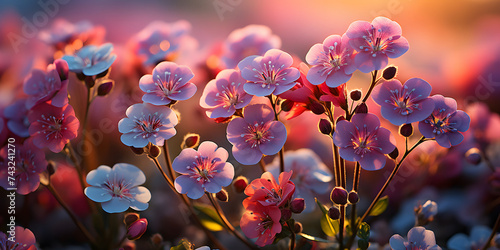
[249,124]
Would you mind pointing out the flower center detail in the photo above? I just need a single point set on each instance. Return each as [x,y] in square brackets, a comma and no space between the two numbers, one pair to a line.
[257,134]
[118,188]
[365,141]
[440,122]
[270,74]
[403,102]
[52,126]
[148,125]
[168,86]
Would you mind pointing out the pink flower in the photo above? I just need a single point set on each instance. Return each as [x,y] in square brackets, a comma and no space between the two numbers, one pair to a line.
[169,82]
[248,41]
[268,74]
[337,96]
[29,163]
[267,192]
[376,42]
[224,95]
[63,32]
[333,61]
[202,170]
[147,123]
[118,188]
[17,118]
[261,222]
[255,134]
[51,85]
[364,141]
[418,238]
[24,239]
[52,127]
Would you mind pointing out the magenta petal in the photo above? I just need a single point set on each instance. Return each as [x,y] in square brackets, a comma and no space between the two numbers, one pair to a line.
[314,55]
[278,131]
[382,93]
[185,92]
[426,129]
[247,155]
[222,112]
[184,160]
[337,78]
[156,99]
[256,89]
[393,116]
[315,75]
[368,121]
[461,120]
[212,151]
[343,134]
[348,153]
[187,185]
[258,113]
[358,29]
[372,161]
[235,129]
[427,106]
[146,83]
[387,27]
[397,48]
[366,62]
[385,141]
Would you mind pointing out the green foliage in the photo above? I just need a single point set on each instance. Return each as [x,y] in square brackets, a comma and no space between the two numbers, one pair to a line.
[208,217]
[380,206]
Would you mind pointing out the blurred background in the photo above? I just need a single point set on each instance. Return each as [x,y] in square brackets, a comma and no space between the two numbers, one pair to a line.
[454,45]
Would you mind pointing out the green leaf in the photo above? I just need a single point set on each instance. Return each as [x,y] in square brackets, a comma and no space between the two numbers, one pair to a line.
[330,227]
[314,238]
[208,217]
[363,244]
[183,245]
[380,206]
[364,231]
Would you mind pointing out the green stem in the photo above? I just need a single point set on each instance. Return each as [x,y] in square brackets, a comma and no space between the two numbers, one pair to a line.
[273,105]
[357,172]
[292,237]
[168,161]
[372,85]
[341,227]
[227,223]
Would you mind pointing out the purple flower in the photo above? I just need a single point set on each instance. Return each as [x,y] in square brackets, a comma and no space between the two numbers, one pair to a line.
[255,134]
[161,41]
[375,42]
[445,123]
[478,238]
[310,175]
[51,85]
[363,140]
[24,240]
[418,238]
[248,41]
[202,170]
[91,60]
[169,82]
[401,104]
[333,61]
[63,31]
[16,115]
[29,162]
[147,123]
[223,95]
[268,74]
[118,188]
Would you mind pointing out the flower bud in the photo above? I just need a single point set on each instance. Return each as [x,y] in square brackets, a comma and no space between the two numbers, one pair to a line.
[473,156]
[154,151]
[353,197]
[130,218]
[297,205]
[286,214]
[316,107]
[137,229]
[361,108]
[137,151]
[240,183]
[334,213]
[425,213]
[128,245]
[297,227]
[191,140]
[105,87]
[394,154]
[89,81]
[62,69]
[340,118]
[325,126]
[389,72]
[406,130]
[339,195]
[223,119]
[51,169]
[287,105]
[222,195]
[103,74]
[356,95]
[156,240]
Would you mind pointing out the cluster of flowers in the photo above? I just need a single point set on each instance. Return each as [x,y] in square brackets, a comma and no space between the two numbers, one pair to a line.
[254,82]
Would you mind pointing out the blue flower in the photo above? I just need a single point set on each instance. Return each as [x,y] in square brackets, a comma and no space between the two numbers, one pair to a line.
[91,60]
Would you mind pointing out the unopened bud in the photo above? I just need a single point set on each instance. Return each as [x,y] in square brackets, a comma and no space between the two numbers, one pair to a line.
[223,119]
[89,81]
[287,105]
[353,197]
[339,195]
[62,69]
[191,140]
[222,195]
[325,126]
[240,183]
[316,107]
[154,151]
[137,151]
[157,239]
[286,214]
[340,118]
[130,218]
[297,227]
[334,213]
[473,156]
[356,95]
[406,130]
[394,154]
[361,108]
[105,87]
[51,169]
[103,74]
[137,229]
[128,245]
[389,72]
[297,205]
[425,213]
